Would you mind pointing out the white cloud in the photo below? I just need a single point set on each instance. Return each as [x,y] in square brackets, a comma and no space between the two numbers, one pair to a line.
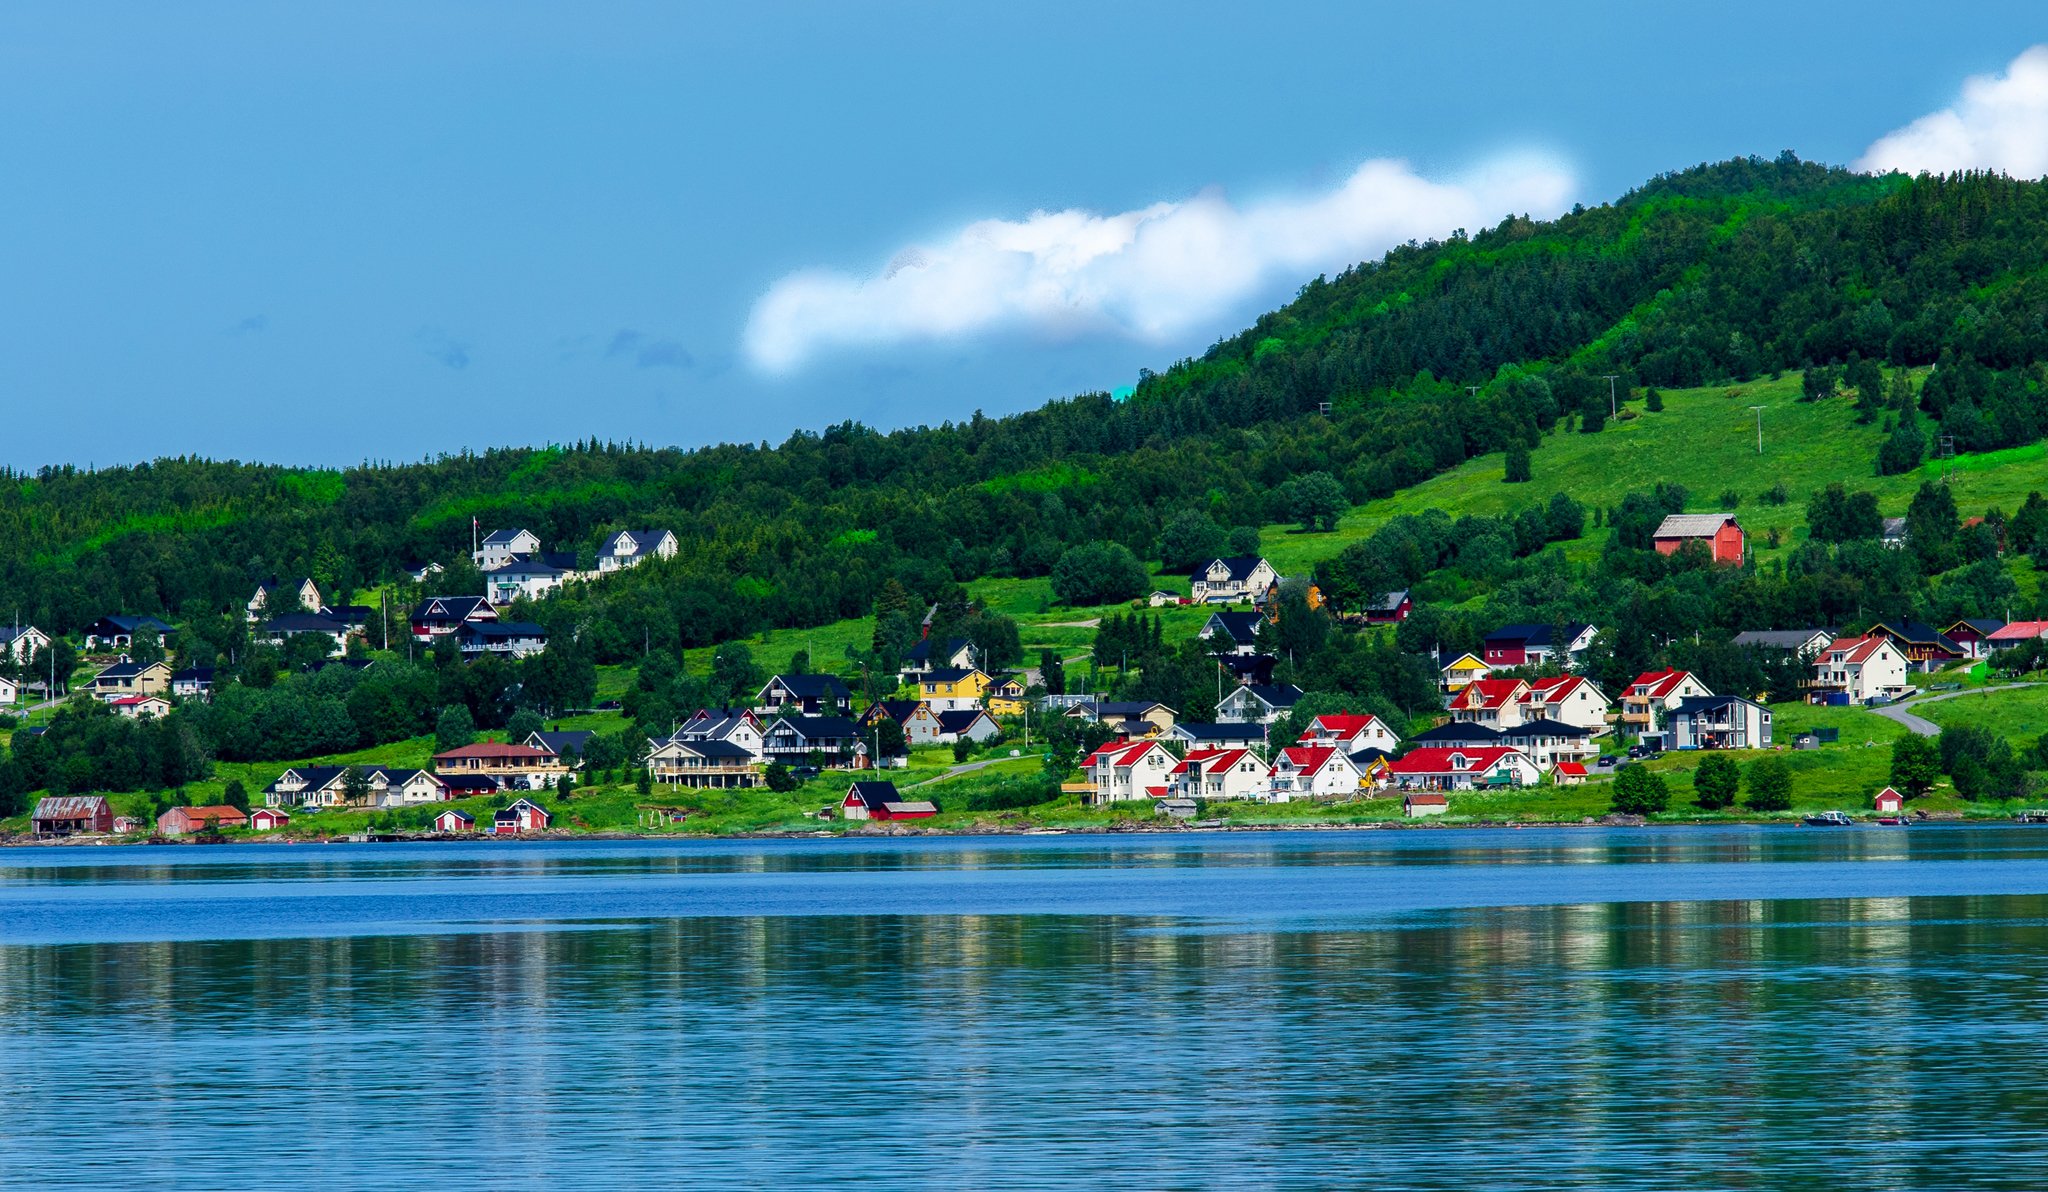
[2000,123]
[1152,274]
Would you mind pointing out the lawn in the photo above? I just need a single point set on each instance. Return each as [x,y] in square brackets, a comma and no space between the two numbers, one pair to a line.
[2020,715]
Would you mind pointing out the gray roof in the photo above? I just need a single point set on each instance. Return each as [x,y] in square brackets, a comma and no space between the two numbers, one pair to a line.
[1781,639]
[1693,525]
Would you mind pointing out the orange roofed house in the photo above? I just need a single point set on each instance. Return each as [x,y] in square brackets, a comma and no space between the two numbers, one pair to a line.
[1718,532]
[512,766]
[181,821]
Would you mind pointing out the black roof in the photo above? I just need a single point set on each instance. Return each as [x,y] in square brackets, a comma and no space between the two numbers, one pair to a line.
[898,710]
[1917,631]
[468,782]
[126,624]
[450,608]
[1241,626]
[811,686]
[1246,731]
[501,629]
[1282,695]
[1239,566]
[959,719]
[193,674]
[873,794]
[559,743]
[1543,726]
[1709,703]
[927,648]
[710,747]
[1456,732]
[305,623]
[1534,635]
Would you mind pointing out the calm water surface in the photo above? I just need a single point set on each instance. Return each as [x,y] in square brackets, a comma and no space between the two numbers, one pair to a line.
[1739,1008]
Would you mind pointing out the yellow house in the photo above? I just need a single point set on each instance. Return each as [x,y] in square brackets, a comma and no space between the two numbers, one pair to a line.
[1462,671]
[953,690]
[1006,698]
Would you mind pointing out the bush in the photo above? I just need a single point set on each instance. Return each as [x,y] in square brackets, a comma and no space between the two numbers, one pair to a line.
[780,779]
[1715,782]
[1518,467]
[454,729]
[1098,573]
[1770,785]
[962,749]
[1024,790]
[1639,791]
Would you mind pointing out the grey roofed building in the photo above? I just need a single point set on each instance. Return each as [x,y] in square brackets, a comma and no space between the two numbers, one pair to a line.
[1456,734]
[1235,733]
[1691,525]
[1800,641]
[561,744]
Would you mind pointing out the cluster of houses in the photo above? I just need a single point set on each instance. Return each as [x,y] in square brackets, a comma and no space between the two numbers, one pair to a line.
[58,816]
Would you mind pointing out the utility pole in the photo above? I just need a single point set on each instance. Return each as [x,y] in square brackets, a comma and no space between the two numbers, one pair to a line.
[1759,429]
[1474,389]
[1613,406]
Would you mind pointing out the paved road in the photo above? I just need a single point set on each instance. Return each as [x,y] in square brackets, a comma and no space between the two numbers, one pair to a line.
[1902,713]
[962,768]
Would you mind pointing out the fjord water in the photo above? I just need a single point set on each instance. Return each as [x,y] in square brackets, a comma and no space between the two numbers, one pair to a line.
[1743,1007]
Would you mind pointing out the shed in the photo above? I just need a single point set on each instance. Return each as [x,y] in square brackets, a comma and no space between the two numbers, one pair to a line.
[185,821]
[1888,802]
[1420,803]
[880,801]
[454,820]
[1569,774]
[268,819]
[63,815]
[524,815]
[1174,808]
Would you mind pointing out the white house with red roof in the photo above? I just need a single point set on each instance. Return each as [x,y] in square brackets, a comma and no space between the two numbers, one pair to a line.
[1656,693]
[1123,770]
[1351,732]
[1568,773]
[1495,703]
[1312,771]
[1211,773]
[141,707]
[1568,699]
[1858,670]
[1489,767]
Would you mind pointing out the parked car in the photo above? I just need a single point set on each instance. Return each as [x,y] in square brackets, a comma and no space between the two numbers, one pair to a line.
[804,772]
[1606,762]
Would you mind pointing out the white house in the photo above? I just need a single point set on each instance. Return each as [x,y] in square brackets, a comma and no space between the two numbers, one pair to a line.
[1495,703]
[21,642]
[1121,770]
[1859,669]
[1655,694]
[1218,774]
[531,576]
[1351,732]
[1465,769]
[499,546]
[1257,703]
[628,548]
[10,691]
[1236,580]
[1568,699]
[259,604]
[1312,771]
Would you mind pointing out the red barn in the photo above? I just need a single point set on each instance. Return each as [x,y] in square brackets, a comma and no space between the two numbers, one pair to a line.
[1888,802]
[1719,532]
[1390,609]
[522,816]
[268,819]
[65,814]
[454,820]
[184,821]
[879,801]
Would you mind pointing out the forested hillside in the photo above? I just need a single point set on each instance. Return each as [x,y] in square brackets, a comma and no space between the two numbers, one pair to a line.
[1438,353]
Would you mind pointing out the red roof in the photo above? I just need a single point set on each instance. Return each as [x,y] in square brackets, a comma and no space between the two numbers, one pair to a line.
[1438,760]
[487,749]
[1658,683]
[1341,725]
[2021,631]
[1123,754]
[1490,693]
[1309,759]
[205,814]
[129,701]
[1554,688]
[1572,769]
[1853,649]
[1426,799]
[1210,757]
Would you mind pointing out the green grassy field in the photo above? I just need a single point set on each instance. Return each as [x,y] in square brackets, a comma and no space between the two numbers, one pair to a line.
[2021,715]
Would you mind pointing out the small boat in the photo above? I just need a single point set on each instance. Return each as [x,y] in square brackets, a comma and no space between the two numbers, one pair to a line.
[1829,819]
[1892,821]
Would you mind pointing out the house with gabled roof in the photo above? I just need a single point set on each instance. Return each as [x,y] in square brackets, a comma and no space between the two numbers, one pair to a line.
[1229,734]
[505,639]
[519,767]
[1533,645]
[1418,804]
[1720,722]
[2014,633]
[1238,579]
[118,632]
[1390,609]
[954,653]
[1218,773]
[279,630]
[735,726]
[140,707]
[454,819]
[793,739]
[630,548]
[1802,643]
[523,815]
[437,616]
[1005,695]
[967,724]
[1233,632]
[67,815]
[882,801]
[1455,672]
[1350,732]
[1926,648]
[269,819]
[533,576]
[20,643]
[499,546]
[1125,770]
[1857,670]
[567,744]
[1312,772]
[1258,703]
[1654,694]
[1495,703]
[704,763]
[194,821]
[812,695]
[307,592]
[1128,718]
[194,682]
[1568,699]
[124,680]
[10,692]
[952,689]
[1719,533]
[1490,767]
[1973,635]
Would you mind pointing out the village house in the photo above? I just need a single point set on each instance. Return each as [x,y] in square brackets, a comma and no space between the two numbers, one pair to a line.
[532,576]
[1925,648]
[1456,673]
[20,644]
[1006,696]
[2017,632]
[1122,770]
[967,724]
[812,695]
[1720,722]
[951,689]
[194,682]
[327,786]
[509,639]
[421,570]
[468,786]
[1888,802]
[524,815]
[118,633]
[454,819]
[1857,670]
[1892,533]
[1391,609]
[1568,699]
[305,590]
[410,788]
[1417,804]
[1350,732]
[1490,768]
[69,815]
[1533,645]
[513,766]
[124,679]
[1164,599]
[704,763]
[881,801]
[792,740]
[268,819]
[630,548]
[1258,703]
[437,616]
[1233,632]
[1802,643]
[190,821]
[1240,579]
[1719,533]
[499,546]
[1128,718]
[1312,772]
[1208,773]
[1546,742]
[1495,703]
[140,707]
[1568,774]
[920,726]
[10,692]
[569,745]
[734,726]
[1231,734]
[1973,635]
[955,653]
[1654,694]
[279,630]
[1248,669]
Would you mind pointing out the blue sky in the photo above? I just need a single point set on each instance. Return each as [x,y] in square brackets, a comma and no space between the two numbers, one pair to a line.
[323,233]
